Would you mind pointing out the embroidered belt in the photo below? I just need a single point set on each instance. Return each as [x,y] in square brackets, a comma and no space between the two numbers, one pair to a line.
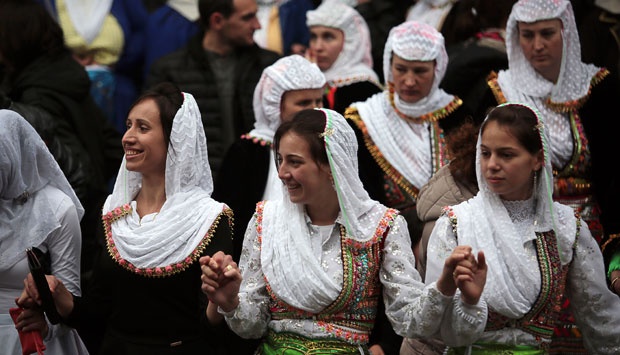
[294,344]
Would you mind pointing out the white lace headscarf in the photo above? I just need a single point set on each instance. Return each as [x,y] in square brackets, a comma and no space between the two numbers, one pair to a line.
[189,211]
[286,253]
[413,40]
[521,83]
[289,73]
[26,167]
[407,145]
[354,63]
[485,224]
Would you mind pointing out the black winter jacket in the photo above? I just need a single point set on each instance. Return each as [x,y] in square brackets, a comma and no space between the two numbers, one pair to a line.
[190,70]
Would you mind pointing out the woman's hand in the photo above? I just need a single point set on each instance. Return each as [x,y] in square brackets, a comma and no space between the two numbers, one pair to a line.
[32,319]
[221,280]
[446,284]
[63,299]
[470,277]
[615,282]
[463,271]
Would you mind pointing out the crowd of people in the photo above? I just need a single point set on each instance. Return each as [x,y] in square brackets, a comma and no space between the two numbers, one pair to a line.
[297,177]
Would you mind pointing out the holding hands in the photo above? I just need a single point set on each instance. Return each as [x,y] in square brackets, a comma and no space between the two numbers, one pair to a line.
[463,271]
[221,280]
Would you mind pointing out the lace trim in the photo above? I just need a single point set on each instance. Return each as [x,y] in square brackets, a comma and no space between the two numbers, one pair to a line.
[576,104]
[431,116]
[522,210]
[562,107]
[541,318]
[160,271]
[439,154]
[350,80]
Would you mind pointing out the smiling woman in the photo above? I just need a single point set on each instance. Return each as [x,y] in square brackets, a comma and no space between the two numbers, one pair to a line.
[159,220]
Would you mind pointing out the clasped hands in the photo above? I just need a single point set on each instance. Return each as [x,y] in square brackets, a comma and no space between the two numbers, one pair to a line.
[464,271]
[221,280]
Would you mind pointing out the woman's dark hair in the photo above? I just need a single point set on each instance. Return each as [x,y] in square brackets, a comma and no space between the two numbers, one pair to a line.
[461,144]
[27,32]
[522,123]
[308,124]
[168,98]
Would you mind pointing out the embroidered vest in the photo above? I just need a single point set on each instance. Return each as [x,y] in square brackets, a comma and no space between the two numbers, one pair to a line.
[572,182]
[352,315]
[544,315]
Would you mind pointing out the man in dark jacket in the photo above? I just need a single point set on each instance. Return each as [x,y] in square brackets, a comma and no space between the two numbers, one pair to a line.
[220,68]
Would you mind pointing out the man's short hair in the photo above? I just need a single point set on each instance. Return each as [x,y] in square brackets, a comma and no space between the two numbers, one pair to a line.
[206,8]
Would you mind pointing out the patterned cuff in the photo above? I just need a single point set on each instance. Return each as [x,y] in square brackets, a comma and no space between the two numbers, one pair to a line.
[473,314]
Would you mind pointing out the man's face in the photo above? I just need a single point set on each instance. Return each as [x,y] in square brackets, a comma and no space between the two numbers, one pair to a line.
[239,28]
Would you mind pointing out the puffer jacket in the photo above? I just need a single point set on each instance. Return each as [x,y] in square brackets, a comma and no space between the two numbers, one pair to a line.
[441,190]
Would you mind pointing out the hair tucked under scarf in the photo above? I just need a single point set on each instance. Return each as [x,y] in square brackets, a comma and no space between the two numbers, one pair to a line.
[289,240]
[575,76]
[413,40]
[354,63]
[288,73]
[189,211]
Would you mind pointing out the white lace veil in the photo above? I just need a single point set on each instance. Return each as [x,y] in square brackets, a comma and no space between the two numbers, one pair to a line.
[485,224]
[289,73]
[189,211]
[418,41]
[26,167]
[286,252]
[354,63]
[575,76]
[545,219]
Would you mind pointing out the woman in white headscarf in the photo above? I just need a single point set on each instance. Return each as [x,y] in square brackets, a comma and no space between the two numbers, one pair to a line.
[340,45]
[38,209]
[401,130]
[536,249]
[545,70]
[315,261]
[158,221]
[248,173]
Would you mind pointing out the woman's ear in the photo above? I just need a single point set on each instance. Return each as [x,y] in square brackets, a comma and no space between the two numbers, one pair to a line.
[540,160]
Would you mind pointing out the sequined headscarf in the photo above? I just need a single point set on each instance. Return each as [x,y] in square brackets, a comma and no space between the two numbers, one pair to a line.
[354,63]
[26,167]
[406,145]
